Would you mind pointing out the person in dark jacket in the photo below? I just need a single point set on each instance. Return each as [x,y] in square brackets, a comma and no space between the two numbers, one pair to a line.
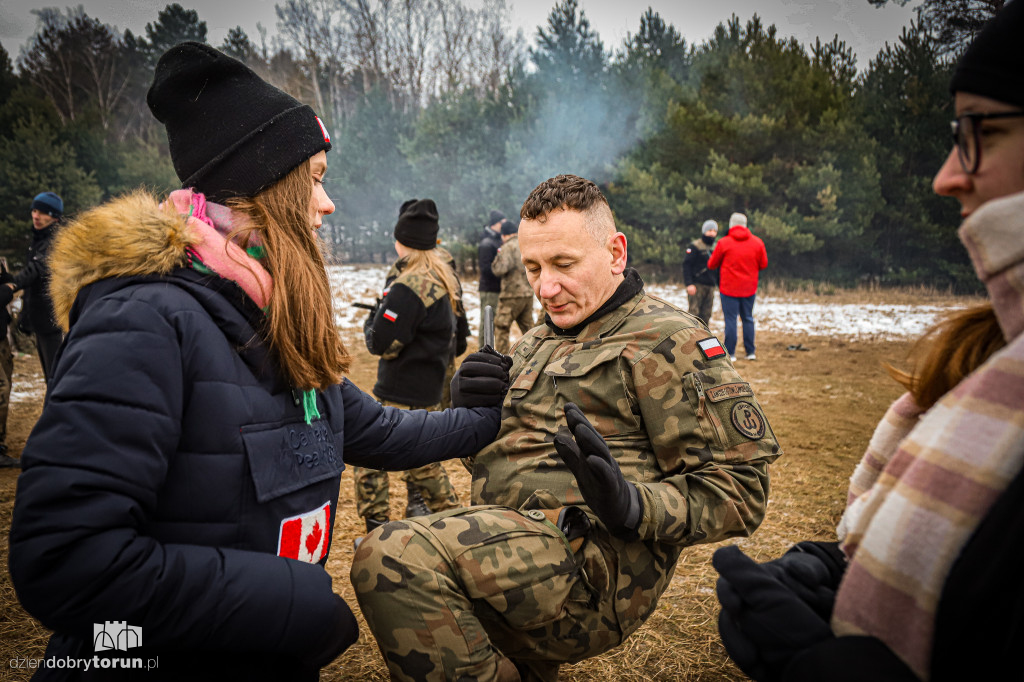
[181,483]
[924,582]
[700,280]
[414,331]
[6,364]
[34,279]
[487,250]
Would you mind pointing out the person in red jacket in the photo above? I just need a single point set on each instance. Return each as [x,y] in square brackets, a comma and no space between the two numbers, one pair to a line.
[739,257]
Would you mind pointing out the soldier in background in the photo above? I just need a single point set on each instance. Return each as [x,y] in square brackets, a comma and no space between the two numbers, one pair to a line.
[486,250]
[626,436]
[699,280]
[515,302]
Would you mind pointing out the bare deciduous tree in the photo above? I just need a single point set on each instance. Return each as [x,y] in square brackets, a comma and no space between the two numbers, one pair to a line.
[77,61]
[953,23]
[316,28]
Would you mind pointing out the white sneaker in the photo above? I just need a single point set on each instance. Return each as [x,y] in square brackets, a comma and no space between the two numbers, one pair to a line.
[751,357]
[732,358]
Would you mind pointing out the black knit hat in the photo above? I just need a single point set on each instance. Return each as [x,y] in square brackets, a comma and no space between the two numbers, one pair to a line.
[509,227]
[231,133]
[496,217]
[993,65]
[417,224]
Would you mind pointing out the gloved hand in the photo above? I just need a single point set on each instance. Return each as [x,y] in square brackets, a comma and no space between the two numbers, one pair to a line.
[6,295]
[812,570]
[615,500]
[482,379]
[763,624]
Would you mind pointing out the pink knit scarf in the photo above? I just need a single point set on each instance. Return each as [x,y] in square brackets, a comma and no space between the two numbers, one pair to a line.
[927,480]
[210,224]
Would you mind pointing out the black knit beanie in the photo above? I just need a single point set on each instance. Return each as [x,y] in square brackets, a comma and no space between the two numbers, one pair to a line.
[496,217]
[509,227]
[231,133]
[417,224]
[993,65]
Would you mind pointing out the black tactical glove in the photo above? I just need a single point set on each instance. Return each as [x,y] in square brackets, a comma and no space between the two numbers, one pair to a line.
[615,500]
[482,379]
[763,624]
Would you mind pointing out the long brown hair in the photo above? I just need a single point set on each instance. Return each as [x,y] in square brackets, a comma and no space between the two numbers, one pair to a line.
[949,351]
[300,319]
[434,264]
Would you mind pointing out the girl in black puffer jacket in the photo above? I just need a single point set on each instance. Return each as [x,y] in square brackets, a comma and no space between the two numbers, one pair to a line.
[179,490]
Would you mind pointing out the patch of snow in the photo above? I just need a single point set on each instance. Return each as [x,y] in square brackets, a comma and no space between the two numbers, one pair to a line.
[850,321]
[846,321]
[28,388]
[363,283]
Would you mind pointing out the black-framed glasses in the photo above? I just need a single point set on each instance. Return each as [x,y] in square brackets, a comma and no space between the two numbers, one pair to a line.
[967,137]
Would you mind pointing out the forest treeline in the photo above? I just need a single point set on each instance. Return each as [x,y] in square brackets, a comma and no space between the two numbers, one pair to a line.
[432,98]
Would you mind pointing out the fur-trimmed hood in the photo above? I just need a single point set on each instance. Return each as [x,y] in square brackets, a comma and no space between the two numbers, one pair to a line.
[135,236]
[129,236]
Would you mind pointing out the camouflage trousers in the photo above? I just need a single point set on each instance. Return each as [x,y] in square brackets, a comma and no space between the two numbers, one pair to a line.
[518,309]
[373,485]
[702,303]
[482,593]
[6,384]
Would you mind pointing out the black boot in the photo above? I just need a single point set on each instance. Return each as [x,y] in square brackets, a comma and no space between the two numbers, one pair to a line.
[371,523]
[6,461]
[416,505]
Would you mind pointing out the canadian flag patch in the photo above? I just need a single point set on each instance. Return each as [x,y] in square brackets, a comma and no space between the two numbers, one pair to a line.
[306,537]
[390,315]
[711,348]
[323,129]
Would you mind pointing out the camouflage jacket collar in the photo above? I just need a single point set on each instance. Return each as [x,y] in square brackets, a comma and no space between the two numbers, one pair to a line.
[608,316]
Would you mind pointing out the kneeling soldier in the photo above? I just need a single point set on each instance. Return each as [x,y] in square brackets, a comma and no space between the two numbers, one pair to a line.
[626,436]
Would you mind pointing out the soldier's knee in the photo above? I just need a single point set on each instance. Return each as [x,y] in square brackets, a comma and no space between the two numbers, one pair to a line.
[394,554]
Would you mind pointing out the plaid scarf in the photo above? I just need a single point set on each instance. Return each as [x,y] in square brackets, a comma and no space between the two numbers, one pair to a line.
[927,480]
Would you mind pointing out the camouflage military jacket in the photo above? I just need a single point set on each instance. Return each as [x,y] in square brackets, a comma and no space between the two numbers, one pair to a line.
[508,265]
[685,428]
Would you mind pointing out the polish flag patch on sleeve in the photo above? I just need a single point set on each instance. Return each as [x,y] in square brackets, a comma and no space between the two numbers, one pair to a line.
[390,315]
[711,348]
[306,537]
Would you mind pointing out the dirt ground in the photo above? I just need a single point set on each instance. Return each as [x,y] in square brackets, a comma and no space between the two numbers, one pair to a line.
[823,404]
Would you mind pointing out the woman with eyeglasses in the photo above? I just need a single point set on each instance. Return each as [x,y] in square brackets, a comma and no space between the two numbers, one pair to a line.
[924,581]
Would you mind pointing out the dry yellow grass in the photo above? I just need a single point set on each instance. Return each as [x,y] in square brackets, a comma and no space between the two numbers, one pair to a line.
[823,405]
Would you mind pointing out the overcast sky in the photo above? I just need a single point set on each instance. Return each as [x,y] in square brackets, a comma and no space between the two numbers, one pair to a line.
[864,28]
